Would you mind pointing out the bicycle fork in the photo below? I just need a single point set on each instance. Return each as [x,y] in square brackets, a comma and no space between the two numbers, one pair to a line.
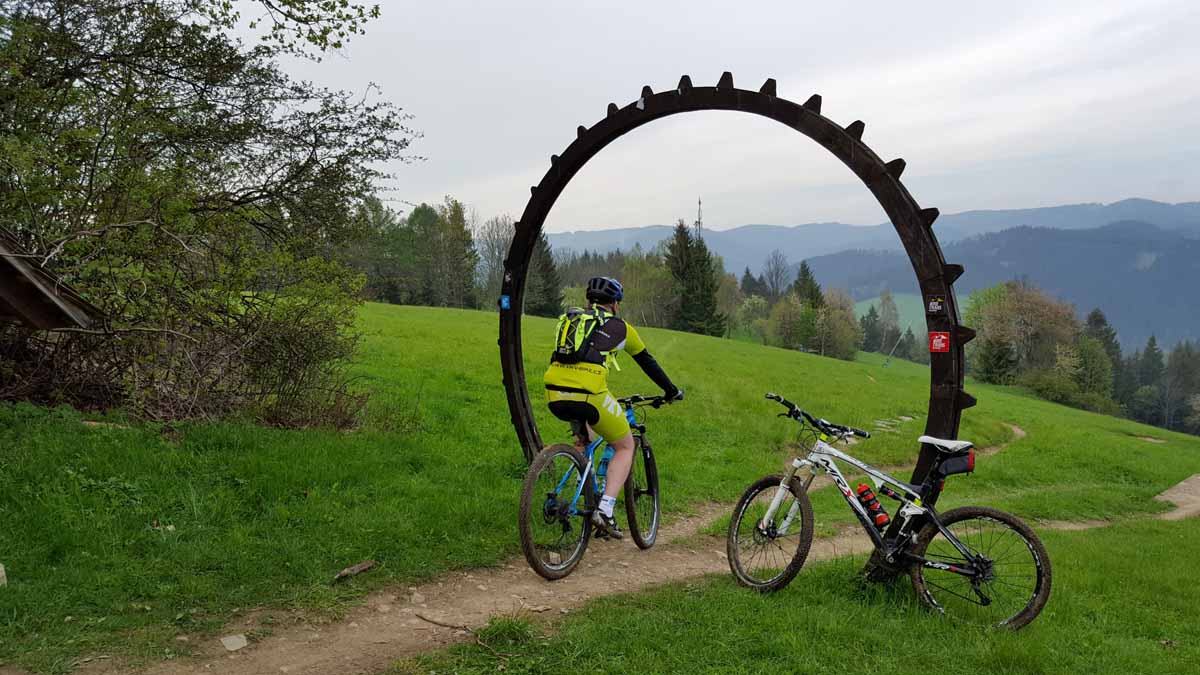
[781,493]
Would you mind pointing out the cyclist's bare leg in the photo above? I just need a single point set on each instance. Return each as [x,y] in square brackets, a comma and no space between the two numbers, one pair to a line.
[618,466]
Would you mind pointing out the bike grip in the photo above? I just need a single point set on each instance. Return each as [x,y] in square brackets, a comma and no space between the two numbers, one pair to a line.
[774,397]
[860,433]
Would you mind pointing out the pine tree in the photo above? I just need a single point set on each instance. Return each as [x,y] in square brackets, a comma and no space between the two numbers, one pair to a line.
[908,346]
[753,285]
[872,333]
[543,290]
[696,283]
[1150,366]
[806,287]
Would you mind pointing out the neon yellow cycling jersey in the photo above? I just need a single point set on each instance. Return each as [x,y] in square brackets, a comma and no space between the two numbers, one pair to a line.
[590,375]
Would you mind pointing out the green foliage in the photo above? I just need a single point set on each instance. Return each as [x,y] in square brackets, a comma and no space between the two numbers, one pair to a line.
[839,334]
[191,190]
[872,332]
[650,298]
[1095,369]
[697,279]
[752,285]
[994,361]
[1150,367]
[805,287]
[543,290]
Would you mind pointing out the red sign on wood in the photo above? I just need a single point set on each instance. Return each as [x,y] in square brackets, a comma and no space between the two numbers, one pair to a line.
[939,342]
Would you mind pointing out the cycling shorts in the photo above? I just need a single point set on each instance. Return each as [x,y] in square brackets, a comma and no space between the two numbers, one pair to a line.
[601,411]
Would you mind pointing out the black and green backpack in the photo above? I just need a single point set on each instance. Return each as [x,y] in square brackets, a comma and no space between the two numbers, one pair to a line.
[573,336]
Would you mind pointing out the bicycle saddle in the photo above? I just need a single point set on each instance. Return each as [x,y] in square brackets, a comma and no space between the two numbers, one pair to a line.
[945,445]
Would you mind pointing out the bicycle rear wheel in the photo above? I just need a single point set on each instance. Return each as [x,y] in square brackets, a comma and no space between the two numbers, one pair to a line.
[554,538]
[1014,585]
[641,496]
[767,556]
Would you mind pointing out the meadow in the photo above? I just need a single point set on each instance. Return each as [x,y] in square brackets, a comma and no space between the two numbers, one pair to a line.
[120,536]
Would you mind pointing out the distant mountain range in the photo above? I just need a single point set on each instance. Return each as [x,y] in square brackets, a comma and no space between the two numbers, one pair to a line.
[749,245]
[1146,278]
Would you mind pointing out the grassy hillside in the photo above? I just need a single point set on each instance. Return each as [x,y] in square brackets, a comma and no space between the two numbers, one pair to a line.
[120,537]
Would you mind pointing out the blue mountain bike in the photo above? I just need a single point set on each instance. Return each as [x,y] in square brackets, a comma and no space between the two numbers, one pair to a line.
[564,486]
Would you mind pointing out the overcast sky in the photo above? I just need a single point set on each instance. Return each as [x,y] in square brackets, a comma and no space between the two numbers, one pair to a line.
[993,105]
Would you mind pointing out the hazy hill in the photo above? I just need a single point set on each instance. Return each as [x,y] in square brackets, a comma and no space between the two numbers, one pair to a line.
[1145,278]
[749,245]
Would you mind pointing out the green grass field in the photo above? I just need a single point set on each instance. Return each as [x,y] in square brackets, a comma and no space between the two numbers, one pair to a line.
[118,539]
[1121,604]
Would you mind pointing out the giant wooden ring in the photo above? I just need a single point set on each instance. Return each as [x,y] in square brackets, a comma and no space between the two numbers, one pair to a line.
[947,399]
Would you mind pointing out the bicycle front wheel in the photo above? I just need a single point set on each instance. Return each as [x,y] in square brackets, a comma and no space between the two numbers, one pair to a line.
[1014,580]
[641,496]
[767,554]
[553,534]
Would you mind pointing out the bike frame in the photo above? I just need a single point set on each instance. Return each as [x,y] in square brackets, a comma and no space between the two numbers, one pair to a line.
[822,457]
[589,476]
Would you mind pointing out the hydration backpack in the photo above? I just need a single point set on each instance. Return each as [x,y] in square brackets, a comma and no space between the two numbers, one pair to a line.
[573,336]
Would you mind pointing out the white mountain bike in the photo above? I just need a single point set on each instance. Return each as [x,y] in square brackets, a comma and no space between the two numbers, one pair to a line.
[973,563]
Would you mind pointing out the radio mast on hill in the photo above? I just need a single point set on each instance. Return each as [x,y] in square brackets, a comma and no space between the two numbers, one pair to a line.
[699,217]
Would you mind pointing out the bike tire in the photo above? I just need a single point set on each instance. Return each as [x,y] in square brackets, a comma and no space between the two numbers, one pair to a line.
[991,526]
[642,497]
[534,511]
[743,554]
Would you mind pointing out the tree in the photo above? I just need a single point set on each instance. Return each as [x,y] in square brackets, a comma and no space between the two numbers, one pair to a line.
[806,288]
[1022,323]
[650,295]
[696,282]
[1094,373]
[889,315]
[908,349]
[753,315]
[729,299]
[1181,379]
[1150,367]
[784,327]
[492,241]
[384,252]
[776,274]
[839,334]
[1096,327]
[752,285]
[1145,406]
[994,361]
[1192,420]
[543,290]
[871,330]
[196,194]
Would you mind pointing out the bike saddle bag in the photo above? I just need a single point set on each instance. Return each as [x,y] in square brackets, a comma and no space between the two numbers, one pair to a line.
[963,462]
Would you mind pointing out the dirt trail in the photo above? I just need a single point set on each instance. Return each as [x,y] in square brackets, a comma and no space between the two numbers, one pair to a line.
[388,626]
[1186,498]
[403,621]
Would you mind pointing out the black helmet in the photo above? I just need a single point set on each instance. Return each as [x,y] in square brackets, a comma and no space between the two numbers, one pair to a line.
[604,289]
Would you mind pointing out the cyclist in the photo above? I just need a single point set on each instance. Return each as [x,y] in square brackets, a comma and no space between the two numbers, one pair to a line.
[577,382]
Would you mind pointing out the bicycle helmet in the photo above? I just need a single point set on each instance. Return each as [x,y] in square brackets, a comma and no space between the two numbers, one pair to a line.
[604,289]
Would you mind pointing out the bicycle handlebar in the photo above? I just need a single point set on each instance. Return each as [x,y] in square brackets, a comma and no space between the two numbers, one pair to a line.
[654,401]
[796,413]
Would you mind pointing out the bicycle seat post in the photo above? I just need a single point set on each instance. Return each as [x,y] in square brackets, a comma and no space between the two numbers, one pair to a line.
[579,430]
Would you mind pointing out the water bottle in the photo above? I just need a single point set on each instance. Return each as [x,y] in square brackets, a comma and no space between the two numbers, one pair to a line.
[875,510]
[602,468]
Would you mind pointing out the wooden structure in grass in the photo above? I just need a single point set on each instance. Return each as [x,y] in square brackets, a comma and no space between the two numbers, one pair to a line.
[32,296]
